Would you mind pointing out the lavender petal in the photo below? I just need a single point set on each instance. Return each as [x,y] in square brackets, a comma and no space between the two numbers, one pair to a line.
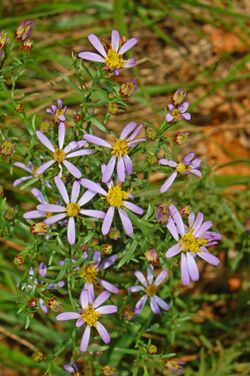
[108,220]
[85,339]
[97,44]
[126,222]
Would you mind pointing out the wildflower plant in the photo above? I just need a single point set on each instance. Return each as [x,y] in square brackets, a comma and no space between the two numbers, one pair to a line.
[91,226]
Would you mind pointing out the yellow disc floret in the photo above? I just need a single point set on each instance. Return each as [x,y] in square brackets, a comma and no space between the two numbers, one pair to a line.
[116,196]
[120,148]
[90,316]
[114,60]
[176,114]
[151,290]
[88,273]
[59,155]
[73,209]
[189,243]
[181,167]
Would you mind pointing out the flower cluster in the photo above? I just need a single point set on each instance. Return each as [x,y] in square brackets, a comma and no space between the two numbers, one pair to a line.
[75,198]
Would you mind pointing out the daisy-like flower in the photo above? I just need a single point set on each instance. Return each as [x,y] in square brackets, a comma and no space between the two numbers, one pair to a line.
[119,150]
[71,209]
[178,112]
[90,271]
[192,241]
[23,31]
[189,165]
[57,112]
[89,315]
[31,169]
[61,155]
[116,198]
[111,55]
[150,287]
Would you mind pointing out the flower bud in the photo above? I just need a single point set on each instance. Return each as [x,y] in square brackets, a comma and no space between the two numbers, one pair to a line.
[7,148]
[179,96]
[39,228]
[44,126]
[128,313]
[108,371]
[32,302]
[3,39]
[23,31]
[181,138]
[54,304]
[185,211]
[151,159]
[114,234]
[151,134]
[9,214]
[38,356]
[152,349]
[128,87]
[27,45]
[106,249]
[152,257]
[19,107]
[162,212]
[113,108]
[18,260]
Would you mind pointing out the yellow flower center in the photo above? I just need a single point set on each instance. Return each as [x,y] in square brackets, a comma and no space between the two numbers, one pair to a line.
[116,196]
[176,114]
[59,112]
[189,243]
[73,209]
[114,60]
[181,167]
[59,155]
[89,273]
[90,316]
[151,290]
[120,147]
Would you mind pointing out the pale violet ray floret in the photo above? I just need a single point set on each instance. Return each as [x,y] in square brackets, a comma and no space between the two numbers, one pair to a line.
[119,151]
[116,198]
[33,214]
[32,170]
[71,208]
[110,55]
[62,155]
[91,312]
[191,241]
[93,265]
[189,165]
[149,286]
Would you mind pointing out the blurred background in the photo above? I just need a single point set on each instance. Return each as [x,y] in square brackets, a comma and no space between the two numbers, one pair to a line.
[201,45]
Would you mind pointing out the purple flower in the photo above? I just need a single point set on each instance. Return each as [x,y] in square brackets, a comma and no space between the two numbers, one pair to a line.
[150,287]
[23,31]
[119,150]
[111,55]
[90,315]
[191,241]
[71,209]
[31,169]
[61,155]
[71,368]
[178,113]
[3,39]
[116,198]
[189,165]
[57,112]
[89,272]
